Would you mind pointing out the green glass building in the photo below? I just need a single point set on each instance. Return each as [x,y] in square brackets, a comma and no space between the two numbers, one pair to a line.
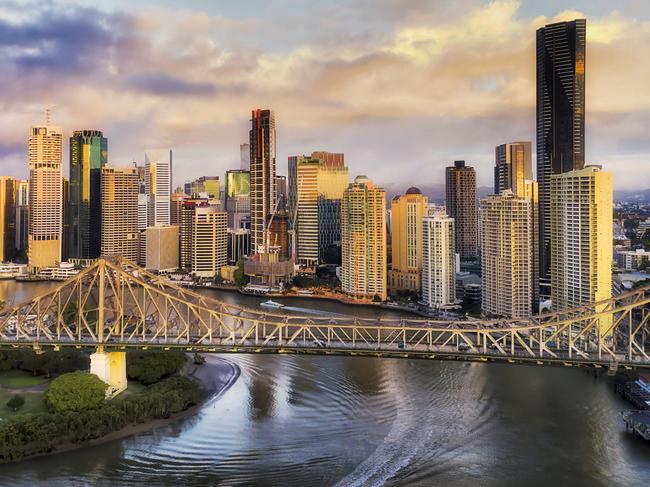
[88,154]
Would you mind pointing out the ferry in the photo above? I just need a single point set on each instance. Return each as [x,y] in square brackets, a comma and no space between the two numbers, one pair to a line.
[272,304]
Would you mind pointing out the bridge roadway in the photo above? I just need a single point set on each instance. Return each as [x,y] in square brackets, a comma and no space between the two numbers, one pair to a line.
[115,305]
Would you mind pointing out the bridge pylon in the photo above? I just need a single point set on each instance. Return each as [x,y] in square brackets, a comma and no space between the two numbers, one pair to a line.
[111,368]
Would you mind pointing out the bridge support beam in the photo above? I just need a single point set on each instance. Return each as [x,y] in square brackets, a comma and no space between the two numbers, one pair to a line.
[111,368]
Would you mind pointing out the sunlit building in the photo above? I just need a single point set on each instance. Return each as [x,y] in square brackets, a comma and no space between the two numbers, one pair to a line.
[407,212]
[561,53]
[238,198]
[316,187]
[209,241]
[262,169]
[513,167]
[88,154]
[582,232]
[158,184]
[438,260]
[162,248]
[363,239]
[119,219]
[45,197]
[507,258]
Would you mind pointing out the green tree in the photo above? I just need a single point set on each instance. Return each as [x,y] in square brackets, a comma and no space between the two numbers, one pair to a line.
[16,402]
[150,367]
[239,273]
[76,391]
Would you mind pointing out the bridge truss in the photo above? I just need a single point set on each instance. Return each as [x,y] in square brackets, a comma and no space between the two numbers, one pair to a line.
[115,305]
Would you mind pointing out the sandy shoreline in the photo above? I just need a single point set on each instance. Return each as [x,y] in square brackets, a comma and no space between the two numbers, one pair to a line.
[214,377]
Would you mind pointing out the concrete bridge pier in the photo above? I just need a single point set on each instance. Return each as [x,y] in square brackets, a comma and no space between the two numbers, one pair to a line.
[111,368]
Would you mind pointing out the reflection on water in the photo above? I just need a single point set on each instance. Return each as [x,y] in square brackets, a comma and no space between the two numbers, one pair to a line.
[309,420]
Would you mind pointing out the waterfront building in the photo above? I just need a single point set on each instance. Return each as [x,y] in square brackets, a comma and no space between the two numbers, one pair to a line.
[438,260]
[316,187]
[262,169]
[158,186]
[237,198]
[88,155]
[239,244]
[581,238]
[162,248]
[407,212]
[460,188]
[209,241]
[363,239]
[22,214]
[119,218]
[507,259]
[561,51]
[45,197]
[7,218]
[513,167]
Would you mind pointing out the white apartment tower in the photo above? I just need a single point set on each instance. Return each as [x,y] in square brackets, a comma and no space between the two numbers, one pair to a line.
[438,260]
[158,187]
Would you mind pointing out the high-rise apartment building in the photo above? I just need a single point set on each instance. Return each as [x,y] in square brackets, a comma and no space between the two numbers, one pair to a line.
[561,49]
[315,189]
[582,232]
[7,218]
[45,196]
[461,206]
[438,260]
[22,214]
[209,241]
[513,167]
[363,239]
[158,186]
[262,169]
[88,154]
[407,212]
[507,258]
[119,218]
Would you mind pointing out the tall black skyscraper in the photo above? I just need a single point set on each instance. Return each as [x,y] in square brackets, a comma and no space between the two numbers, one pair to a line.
[560,118]
[262,169]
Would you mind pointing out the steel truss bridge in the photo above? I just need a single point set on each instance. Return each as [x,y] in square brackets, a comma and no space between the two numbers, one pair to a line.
[114,305]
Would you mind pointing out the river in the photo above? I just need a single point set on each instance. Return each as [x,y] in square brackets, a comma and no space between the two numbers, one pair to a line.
[351,421]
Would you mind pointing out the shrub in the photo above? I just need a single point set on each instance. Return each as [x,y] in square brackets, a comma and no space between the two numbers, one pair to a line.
[76,391]
[16,402]
[150,367]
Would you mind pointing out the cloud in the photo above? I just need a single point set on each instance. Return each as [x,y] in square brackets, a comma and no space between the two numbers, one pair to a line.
[414,86]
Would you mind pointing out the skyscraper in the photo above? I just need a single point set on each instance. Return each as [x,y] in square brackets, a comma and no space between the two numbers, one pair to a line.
[560,118]
[582,238]
[316,186]
[507,259]
[461,206]
[158,182]
[88,154]
[22,214]
[513,166]
[438,260]
[45,196]
[407,212]
[7,218]
[119,231]
[209,241]
[262,168]
[363,239]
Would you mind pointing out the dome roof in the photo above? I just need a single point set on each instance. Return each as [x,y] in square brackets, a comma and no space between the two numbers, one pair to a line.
[413,190]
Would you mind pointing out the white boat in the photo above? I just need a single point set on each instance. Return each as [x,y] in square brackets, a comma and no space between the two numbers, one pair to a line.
[271,304]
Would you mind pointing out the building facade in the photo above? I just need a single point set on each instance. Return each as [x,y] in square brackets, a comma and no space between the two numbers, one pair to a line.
[158,187]
[582,232]
[407,212]
[238,198]
[438,260]
[162,248]
[507,259]
[22,214]
[44,238]
[88,155]
[209,241]
[262,169]
[7,218]
[119,230]
[363,239]
[460,189]
[561,49]
[512,167]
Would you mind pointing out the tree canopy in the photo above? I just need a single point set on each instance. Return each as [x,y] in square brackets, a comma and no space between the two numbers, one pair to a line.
[76,391]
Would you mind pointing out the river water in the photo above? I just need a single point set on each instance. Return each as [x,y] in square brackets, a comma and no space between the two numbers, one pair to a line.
[351,421]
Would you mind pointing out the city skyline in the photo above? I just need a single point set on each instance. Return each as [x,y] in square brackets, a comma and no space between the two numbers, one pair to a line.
[375,124]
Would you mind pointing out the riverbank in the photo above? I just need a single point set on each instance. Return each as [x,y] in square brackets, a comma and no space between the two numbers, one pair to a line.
[214,378]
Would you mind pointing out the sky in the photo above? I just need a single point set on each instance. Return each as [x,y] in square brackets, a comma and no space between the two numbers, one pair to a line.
[402,87]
